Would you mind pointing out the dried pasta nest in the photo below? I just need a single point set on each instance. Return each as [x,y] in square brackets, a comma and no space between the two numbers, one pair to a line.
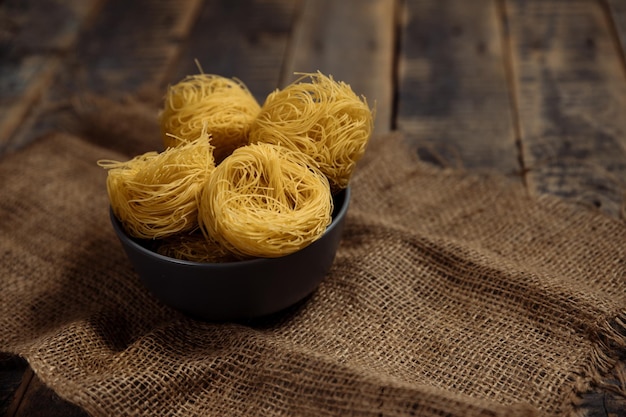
[264,200]
[319,117]
[238,180]
[194,247]
[224,106]
[154,195]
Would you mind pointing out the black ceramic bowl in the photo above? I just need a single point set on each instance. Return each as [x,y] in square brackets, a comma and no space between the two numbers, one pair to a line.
[237,290]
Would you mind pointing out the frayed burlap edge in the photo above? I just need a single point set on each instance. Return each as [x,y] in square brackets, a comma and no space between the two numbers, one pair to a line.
[608,370]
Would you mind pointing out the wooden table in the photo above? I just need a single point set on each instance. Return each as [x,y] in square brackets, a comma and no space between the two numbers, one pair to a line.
[534,89]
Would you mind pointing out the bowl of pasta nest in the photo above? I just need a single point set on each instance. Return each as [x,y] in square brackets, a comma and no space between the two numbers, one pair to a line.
[236,290]
[241,215]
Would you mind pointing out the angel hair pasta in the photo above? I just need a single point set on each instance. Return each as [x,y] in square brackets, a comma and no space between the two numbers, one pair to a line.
[224,105]
[265,201]
[155,194]
[194,247]
[322,118]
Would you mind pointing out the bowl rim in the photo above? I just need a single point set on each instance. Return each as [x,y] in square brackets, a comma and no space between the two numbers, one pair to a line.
[119,230]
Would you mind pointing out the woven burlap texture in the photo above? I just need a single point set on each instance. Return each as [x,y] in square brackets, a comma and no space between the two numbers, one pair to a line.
[452,293]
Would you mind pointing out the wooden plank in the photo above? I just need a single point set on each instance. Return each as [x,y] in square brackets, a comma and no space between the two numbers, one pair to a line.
[36,33]
[40,26]
[453,94]
[40,401]
[246,39]
[570,82]
[603,404]
[131,46]
[128,50]
[617,10]
[352,40]
[25,84]
[12,371]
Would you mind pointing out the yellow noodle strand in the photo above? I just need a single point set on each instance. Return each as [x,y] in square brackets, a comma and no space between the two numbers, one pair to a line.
[194,247]
[224,105]
[321,118]
[155,194]
[265,201]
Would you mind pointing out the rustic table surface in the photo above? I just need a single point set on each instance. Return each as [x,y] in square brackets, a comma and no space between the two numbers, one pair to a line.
[534,89]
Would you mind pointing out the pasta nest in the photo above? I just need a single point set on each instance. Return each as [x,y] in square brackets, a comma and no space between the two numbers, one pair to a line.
[264,200]
[194,247]
[319,117]
[224,106]
[154,195]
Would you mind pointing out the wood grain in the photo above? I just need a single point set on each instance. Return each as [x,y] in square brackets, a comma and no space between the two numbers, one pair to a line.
[616,9]
[246,39]
[39,401]
[12,371]
[571,91]
[128,49]
[131,46]
[35,36]
[352,40]
[453,94]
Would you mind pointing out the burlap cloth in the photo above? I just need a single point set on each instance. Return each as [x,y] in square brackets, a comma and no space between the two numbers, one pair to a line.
[453,293]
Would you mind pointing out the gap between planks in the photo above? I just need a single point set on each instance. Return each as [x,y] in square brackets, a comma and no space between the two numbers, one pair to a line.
[511,79]
[20,393]
[571,90]
[453,94]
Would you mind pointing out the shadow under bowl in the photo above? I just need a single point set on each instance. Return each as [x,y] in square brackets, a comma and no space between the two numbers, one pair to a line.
[236,290]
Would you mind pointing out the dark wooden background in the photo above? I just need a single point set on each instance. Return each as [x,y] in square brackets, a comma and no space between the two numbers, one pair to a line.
[534,89]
